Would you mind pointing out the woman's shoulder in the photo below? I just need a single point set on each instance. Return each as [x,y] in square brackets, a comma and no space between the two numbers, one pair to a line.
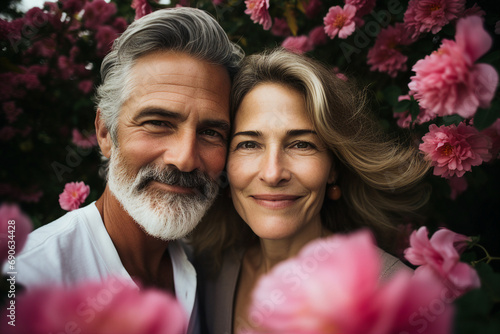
[391,265]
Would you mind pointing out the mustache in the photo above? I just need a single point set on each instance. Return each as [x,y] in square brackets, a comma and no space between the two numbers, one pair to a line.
[172,176]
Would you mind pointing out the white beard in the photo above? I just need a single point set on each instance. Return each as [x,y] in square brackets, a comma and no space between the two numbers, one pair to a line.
[161,214]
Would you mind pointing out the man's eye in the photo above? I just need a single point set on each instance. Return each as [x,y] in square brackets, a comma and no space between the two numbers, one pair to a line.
[156,123]
[211,133]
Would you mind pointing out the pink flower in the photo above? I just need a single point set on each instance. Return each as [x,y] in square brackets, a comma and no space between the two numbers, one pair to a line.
[105,36]
[85,86]
[280,27]
[97,13]
[448,82]
[475,10]
[431,15]
[313,8]
[339,74]
[258,11]
[317,36]
[297,44]
[142,8]
[14,229]
[11,111]
[73,196]
[97,308]
[73,6]
[454,150]
[363,7]
[340,21]
[457,185]
[87,141]
[385,55]
[332,286]
[441,256]
[493,132]
[404,119]
[7,133]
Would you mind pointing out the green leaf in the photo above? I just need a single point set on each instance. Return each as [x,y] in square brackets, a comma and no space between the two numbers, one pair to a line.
[490,281]
[414,109]
[485,117]
[402,106]
[453,119]
[391,94]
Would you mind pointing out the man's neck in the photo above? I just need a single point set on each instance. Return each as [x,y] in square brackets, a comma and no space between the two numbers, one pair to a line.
[145,258]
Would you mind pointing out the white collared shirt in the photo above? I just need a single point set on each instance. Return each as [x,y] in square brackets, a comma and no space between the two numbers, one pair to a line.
[77,248]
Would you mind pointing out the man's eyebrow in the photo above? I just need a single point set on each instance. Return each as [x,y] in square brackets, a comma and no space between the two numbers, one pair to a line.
[248,133]
[158,112]
[218,124]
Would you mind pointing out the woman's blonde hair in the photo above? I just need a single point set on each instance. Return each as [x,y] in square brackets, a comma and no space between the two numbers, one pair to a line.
[379,177]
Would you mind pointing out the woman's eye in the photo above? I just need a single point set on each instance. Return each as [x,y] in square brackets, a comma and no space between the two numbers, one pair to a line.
[247,145]
[303,145]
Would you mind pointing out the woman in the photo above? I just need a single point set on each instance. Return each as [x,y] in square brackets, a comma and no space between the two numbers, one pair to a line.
[305,160]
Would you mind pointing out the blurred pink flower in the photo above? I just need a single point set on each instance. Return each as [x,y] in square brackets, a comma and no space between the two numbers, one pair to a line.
[84,141]
[218,2]
[258,11]
[404,119]
[120,24]
[475,10]
[280,28]
[385,55]
[441,256]
[97,12]
[457,185]
[85,86]
[7,132]
[340,21]
[105,36]
[431,15]
[317,36]
[14,229]
[363,7]
[72,6]
[73,196]
[493,132]
[97,308]
[297,44]
[332,286]
[339,74]
[11,111]
[142,8]
[448,82]
[313,8]
[453,150]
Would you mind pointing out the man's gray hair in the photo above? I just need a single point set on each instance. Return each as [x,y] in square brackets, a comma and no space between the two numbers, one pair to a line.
[183,29]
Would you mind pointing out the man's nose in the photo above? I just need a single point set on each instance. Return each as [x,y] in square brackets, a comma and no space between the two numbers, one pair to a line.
[184,152]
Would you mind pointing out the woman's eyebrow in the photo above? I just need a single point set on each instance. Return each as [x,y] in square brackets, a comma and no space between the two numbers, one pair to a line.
[299,132]
[248,133]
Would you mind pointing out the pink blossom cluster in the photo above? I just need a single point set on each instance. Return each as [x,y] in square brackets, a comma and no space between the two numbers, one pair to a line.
[303,43]
[453,150]
[106,307]
[385,55]
[342,21]
[424,16]
[14,193]
[142,8]
[440,256]
[73,196]
[84,141]
[448,81]
[259,12]
[15,226]
[404,119]
[333,286]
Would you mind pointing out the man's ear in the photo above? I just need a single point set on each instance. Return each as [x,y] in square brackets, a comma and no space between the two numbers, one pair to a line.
[103,135]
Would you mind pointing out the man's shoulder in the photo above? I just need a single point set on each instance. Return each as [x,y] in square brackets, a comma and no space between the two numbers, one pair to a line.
[61,231]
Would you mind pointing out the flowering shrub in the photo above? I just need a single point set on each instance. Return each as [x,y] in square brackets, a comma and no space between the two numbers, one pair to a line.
[96,308]
[430,66]
[333,286]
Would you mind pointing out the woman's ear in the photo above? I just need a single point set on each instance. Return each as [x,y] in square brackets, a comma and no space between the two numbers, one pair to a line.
[103,135]
[332,177]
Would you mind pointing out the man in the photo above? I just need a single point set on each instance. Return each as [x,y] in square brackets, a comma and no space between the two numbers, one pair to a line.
[163,122]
